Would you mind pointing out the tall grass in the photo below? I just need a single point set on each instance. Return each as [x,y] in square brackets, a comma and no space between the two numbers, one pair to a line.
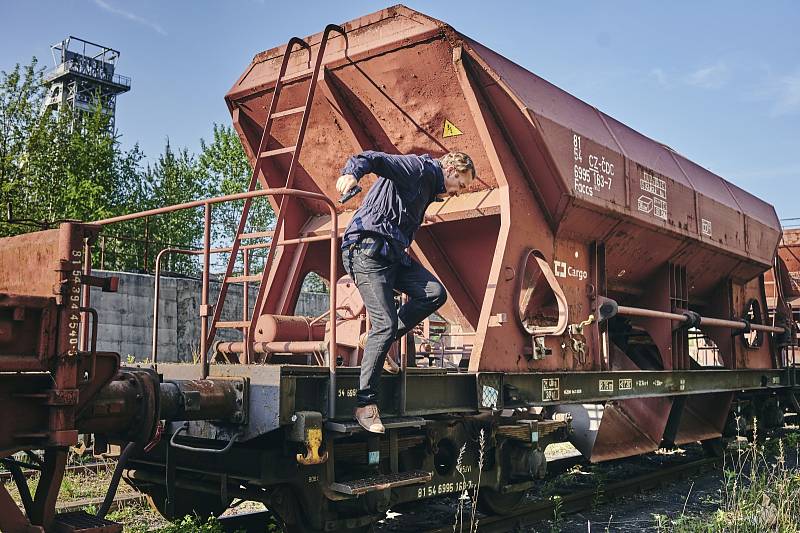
[760,492]
[465,496]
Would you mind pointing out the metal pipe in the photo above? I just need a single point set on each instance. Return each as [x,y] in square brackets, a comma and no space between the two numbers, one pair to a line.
[404,362]
[204,289]
[320,317]
[447,351]
[245,299]
[704,321]
[300,240]
[281,191]
[294,347]
[198,449]
[332,283]
[130,448]
[251,246]
[157,296]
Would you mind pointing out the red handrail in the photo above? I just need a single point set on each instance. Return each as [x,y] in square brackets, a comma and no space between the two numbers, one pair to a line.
[206,252]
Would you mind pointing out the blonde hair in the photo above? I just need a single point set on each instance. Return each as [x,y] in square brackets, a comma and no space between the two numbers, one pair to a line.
[458,160]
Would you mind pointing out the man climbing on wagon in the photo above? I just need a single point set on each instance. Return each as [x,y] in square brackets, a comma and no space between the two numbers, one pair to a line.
[374,252]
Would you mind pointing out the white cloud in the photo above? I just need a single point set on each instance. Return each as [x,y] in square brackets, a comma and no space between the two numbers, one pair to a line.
[780,91]
[130,16]
[787,95]
[711,77]
[659,75]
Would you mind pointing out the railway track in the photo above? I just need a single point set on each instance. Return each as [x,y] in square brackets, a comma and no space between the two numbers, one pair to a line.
[89,468]
[120,501]
[585,499]
[569,502]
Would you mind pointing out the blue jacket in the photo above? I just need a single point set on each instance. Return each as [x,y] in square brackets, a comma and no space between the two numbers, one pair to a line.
[395,205]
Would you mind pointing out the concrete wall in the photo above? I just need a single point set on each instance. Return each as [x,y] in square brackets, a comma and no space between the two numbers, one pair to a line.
[126,317]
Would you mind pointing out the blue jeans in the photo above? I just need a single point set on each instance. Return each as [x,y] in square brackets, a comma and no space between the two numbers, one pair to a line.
[377,276]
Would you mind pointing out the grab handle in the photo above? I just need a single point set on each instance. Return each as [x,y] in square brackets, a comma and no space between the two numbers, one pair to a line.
[198,449]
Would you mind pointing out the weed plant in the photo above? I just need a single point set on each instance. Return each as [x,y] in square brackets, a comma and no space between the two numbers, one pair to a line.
[466,497]
[760,492]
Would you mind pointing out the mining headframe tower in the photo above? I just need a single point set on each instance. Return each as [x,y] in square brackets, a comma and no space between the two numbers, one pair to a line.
[84,73]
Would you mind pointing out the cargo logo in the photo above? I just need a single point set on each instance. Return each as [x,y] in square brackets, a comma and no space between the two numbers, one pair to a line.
[563,270]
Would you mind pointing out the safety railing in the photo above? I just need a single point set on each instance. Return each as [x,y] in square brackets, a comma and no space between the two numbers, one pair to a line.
[207,251]
[183,251]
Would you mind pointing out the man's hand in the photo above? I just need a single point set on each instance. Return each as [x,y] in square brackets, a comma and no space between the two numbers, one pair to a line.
[345,183]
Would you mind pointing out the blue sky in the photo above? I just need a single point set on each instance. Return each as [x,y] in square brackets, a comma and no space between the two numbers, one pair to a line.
[718,81]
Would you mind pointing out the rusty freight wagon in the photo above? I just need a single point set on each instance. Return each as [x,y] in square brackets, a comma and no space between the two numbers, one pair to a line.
[583,269]
[787,268]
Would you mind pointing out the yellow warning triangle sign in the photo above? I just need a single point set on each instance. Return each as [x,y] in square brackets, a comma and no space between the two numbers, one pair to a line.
[450,129]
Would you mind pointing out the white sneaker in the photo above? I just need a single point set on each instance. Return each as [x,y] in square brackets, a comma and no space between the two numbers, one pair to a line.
[369,418]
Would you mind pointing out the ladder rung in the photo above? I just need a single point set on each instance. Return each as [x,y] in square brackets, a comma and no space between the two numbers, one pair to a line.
[287,112]
[278,151]
[256,235]
[235,324]
[296,76]
[242,279]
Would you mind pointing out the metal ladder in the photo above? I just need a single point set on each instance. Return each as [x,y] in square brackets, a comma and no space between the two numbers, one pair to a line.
[262,154]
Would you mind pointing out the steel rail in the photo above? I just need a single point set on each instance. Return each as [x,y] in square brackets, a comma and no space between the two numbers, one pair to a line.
[90,468]
[704,321]
[586,499]
[119,500]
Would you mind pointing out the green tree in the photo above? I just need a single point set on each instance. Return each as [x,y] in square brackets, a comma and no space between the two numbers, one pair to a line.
[173,179]
[21,92]
[313,282]
[224,166]
[69,167]
[56,166]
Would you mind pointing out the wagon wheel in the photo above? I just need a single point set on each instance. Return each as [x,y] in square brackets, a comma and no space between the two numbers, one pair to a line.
[714,447]
[293,518]
[296,524]
[498,503]
[187,502]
